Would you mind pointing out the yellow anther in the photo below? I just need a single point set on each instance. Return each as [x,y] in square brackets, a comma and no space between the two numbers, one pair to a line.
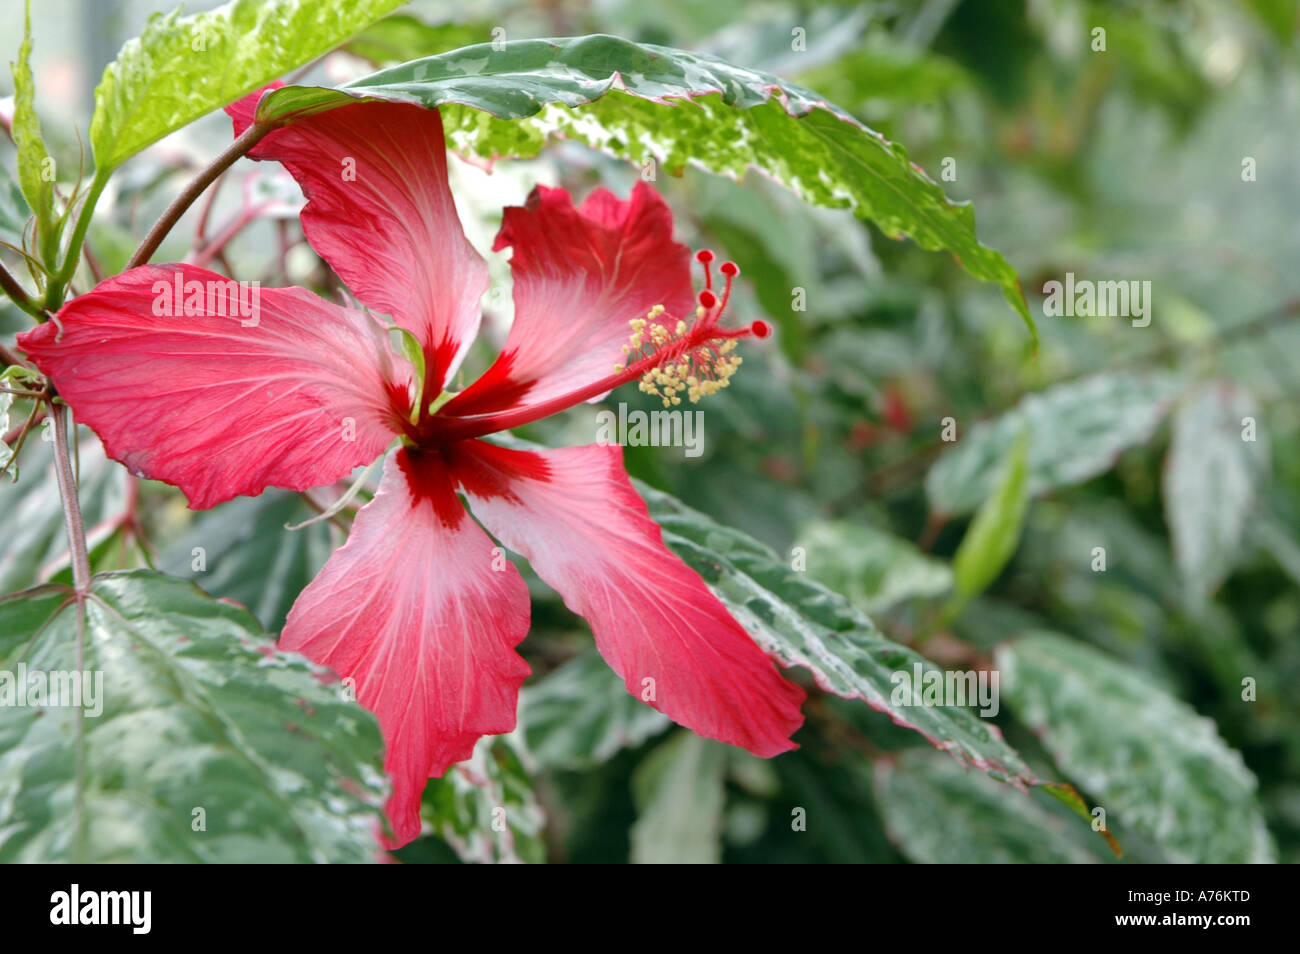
[704,368]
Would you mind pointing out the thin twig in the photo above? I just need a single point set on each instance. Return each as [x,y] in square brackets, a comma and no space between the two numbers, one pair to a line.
[213,249]
[246,141]
[201,230]
[10,359]
[96,270]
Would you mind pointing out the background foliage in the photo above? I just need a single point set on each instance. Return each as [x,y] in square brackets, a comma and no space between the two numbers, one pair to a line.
[1125,682]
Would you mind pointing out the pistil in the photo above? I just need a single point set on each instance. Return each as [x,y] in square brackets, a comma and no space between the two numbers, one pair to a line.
[671,356]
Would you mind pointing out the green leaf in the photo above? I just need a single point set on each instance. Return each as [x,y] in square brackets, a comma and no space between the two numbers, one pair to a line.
[1212,482]
[199,712]
[1150,760]
[876,71]
[581,715]
[679,796]
[994,534]
[1076,431]
[801,623]
[827,811]
[872,567]
[182,68]
[37,187]
[485,807]
[1282,17]
[242,551]
[626,99]
[938,812]
[402,37]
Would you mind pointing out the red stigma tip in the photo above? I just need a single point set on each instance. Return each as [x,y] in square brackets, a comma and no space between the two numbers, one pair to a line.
[708,299]
[704,255]
[760,329]
[730,269]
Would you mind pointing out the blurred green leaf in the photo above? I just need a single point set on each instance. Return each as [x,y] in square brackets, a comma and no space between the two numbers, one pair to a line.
[1161,67]
[114,548]
[403,37]
[883,71]
[611,94]
[791,42]
[581,715]
[826,811]
[1282,17]
[1150,761]
[940,812]
[182,68]
[679,795]
[242,551]
[1212,481]
[1279,544]
[1076,430]
[994,534]
[870,566]
[210,746]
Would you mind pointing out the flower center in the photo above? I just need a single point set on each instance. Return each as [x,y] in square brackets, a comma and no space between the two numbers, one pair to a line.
[670,356]
[694,358]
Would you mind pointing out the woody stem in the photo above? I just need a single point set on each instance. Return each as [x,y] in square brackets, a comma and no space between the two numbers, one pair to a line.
[246,141]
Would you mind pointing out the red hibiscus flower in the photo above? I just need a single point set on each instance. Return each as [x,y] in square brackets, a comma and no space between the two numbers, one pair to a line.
[418,608]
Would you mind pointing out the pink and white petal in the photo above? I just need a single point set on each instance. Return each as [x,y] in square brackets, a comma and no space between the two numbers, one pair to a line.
[381,213]
[576,517]
[423,614]
[580,275]
[244,390]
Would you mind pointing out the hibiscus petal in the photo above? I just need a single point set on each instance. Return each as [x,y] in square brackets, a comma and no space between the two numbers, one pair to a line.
[576,517]
[580,275]
[380,211]
[295,394]
[422,611]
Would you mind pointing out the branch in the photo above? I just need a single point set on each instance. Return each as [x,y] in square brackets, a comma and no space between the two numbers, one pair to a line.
[250,138]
